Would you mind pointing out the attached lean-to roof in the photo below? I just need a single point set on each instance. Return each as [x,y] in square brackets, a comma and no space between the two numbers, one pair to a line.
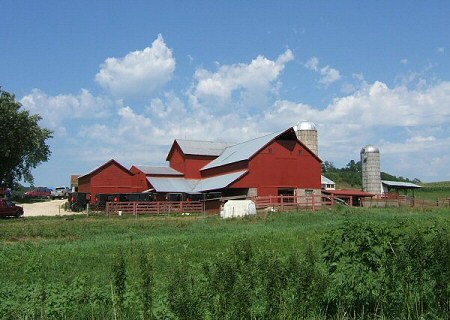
[244,150]
[218,182]
[327,180]
[161,184]
[356,193]
[403,185]
[159,170]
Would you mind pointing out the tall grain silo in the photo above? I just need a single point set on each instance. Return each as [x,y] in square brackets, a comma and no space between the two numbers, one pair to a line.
[371,172]
[307,134]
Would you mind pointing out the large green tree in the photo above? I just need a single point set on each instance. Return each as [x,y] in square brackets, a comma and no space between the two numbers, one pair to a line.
[22,141]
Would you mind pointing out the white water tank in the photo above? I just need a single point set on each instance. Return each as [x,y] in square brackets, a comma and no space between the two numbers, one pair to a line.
[371,172]
[307,134]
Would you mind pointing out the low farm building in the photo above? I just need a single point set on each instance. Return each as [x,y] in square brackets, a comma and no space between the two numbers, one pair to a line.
[271,165]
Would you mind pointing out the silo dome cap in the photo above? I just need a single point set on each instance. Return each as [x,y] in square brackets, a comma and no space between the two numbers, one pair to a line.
[370,149]
[306,125]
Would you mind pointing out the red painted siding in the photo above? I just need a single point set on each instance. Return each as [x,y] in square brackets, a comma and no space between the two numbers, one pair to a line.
[112,178]
[282,164]
[176,160]
[189,165]
[193,164]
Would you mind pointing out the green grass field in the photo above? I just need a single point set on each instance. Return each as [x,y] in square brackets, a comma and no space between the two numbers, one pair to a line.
[434,190]
[74,267]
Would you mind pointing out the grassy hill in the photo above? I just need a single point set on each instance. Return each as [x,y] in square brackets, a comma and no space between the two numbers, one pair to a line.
[434,190]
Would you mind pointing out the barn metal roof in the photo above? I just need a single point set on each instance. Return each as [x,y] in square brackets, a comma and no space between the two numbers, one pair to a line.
[159,170]
[202,148]
[161,184]
[242,151]
[398,184]
[218,182]
[356,193]
[327,180]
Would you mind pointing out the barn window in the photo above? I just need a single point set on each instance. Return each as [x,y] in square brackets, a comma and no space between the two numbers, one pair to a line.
[270,150]
[300,152]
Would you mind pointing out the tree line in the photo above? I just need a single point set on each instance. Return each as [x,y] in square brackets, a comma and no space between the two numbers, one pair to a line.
[351,174]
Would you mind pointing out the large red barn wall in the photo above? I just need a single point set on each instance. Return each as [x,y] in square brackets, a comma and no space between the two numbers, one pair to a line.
[288,165]
[113,179]
[190,165]
[176,160]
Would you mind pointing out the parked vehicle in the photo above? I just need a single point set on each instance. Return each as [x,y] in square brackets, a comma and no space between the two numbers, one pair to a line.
[60,192]
[40,192]
[10,209]
[101,199]
[78,201]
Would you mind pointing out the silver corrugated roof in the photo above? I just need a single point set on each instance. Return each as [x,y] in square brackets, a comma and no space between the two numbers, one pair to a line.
[161,184]
[203,148]
[218,182]
[159,170]
[241,151]
[400,184]
[327,180]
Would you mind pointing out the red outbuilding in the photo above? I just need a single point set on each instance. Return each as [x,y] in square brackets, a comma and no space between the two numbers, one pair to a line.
[110,178]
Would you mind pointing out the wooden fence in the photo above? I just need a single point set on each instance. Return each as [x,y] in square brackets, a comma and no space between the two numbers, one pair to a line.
[278,203]
[310,202]
[160,207]
[405,201]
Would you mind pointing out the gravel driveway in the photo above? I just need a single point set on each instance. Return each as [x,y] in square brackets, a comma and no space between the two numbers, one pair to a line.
[46,208]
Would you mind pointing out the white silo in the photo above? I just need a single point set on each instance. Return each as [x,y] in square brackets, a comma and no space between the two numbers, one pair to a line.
[307,134]
[371,175]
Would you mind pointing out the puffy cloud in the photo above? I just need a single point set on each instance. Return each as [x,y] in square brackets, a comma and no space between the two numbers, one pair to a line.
[409,125]
[56,110]
[139,73]
[249,84]
[328,75]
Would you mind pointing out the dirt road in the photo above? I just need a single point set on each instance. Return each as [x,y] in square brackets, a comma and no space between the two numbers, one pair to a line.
[46,208]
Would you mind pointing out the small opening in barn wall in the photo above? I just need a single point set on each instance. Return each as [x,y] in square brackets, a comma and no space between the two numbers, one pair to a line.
[300,152]
[286,192]
[270,151]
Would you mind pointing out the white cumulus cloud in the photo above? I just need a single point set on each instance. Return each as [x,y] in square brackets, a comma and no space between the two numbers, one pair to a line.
[139,73]
[56,110]
[249,84]
[328,75]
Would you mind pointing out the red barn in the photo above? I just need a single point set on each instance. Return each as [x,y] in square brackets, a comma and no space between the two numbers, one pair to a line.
[110,178]
[275,164]
[188,156]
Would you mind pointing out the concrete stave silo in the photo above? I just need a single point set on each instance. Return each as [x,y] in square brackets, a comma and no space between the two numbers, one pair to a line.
[371,169]
[307,133]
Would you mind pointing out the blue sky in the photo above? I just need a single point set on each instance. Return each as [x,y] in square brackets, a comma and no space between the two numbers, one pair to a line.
[123,79]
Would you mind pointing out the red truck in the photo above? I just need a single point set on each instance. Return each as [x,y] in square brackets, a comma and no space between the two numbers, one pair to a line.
[9,209]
